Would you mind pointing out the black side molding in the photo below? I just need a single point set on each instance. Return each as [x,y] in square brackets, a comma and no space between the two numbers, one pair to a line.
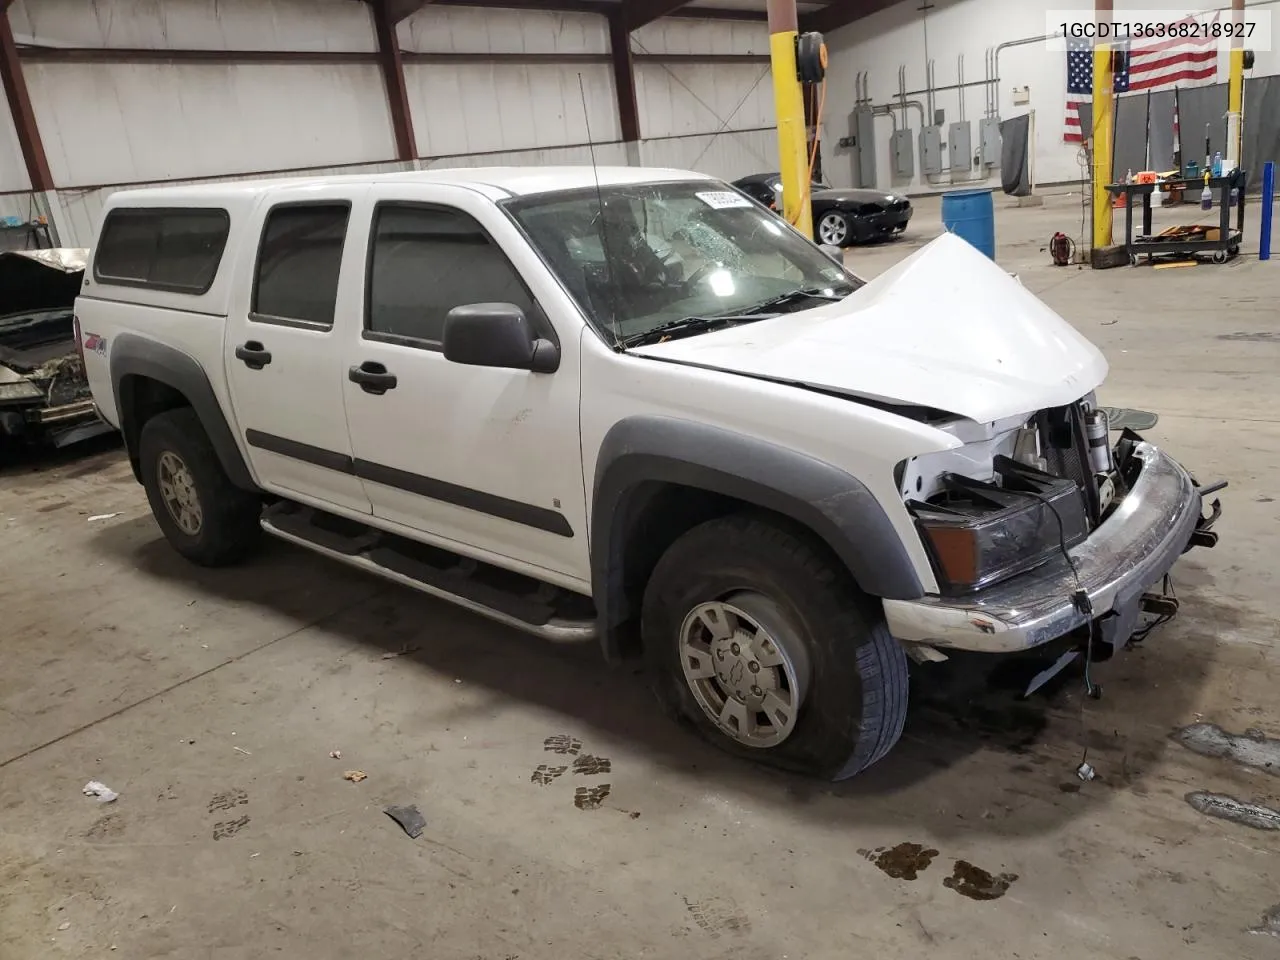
[300,451]
[525,514]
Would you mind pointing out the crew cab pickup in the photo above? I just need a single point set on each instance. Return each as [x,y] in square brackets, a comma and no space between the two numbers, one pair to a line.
[634,407]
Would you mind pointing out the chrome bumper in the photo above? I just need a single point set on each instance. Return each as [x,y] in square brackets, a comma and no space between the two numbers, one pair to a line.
[1131,550]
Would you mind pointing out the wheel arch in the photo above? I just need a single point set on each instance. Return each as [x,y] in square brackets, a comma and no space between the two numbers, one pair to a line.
[656,477]
[148,378]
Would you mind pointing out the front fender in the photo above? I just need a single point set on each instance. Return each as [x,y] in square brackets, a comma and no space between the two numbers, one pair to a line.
[836,506]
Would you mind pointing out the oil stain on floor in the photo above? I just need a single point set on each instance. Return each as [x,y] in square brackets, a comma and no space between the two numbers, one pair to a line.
[1253,748]
[976,883]
[906,861]
[1223,807]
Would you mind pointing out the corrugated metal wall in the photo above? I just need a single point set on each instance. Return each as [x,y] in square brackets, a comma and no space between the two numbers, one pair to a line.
[108,124]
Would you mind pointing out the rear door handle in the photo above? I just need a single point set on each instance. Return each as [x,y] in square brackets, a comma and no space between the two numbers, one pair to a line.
[372,377]
[254,355]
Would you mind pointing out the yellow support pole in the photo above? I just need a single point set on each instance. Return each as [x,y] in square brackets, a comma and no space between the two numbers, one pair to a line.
[788,101]
[1235,92]
[1103,133]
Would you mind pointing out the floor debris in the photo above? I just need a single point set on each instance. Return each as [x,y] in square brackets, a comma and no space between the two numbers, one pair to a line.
[100,790]
[102,516]
[391,655]
[906,861]
[1086,772]
[976,883]
[410,819]
[335,754]
[242,750]
[1237,811]
[355,776]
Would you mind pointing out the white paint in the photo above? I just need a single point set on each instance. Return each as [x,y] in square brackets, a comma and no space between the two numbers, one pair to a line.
[995,351]
[727,155]
[685,99]
[139,124]
[487,107]
[525,436]
[119,123]
[443,29]
[13,169]
[196,24]
[895,36]
[681,36]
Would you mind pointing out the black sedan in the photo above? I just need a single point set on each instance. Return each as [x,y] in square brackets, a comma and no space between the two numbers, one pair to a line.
[840,217]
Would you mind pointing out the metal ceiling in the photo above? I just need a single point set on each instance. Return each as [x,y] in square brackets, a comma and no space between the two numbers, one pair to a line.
[822,15]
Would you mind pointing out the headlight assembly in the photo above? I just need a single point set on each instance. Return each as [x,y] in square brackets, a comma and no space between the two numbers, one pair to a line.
[978,534]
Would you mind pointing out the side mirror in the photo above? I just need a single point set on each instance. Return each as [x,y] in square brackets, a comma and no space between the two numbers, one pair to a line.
[497,335]
[832,251]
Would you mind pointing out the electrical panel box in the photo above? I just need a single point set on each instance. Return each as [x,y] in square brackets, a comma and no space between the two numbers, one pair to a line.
[864,129]
[931,150]
[989,141]
[902,148]
[960,139]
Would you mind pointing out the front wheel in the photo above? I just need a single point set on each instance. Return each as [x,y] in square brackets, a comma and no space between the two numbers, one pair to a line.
[834,228]
[766,645]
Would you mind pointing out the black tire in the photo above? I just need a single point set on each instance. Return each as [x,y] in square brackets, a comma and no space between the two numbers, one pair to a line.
[850,228]
[856,702]
[229,528]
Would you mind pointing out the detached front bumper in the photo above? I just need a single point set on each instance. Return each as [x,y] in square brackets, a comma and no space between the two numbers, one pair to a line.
[1131,550]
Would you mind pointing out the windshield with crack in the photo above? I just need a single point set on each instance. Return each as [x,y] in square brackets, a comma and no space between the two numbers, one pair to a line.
[639,256]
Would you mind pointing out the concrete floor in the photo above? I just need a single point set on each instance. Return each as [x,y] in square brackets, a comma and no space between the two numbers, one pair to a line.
[211,702]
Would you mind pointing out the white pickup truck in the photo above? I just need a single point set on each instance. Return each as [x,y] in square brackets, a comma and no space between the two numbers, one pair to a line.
[633,406]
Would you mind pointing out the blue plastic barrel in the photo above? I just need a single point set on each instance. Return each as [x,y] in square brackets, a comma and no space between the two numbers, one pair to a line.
[971,215]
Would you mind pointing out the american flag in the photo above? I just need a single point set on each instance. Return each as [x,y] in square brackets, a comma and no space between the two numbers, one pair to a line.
[1144,65]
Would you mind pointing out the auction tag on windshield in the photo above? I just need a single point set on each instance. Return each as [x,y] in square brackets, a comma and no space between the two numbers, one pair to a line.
[723,199]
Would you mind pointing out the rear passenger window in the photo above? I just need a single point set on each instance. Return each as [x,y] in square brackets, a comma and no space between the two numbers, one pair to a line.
[166,249]
[298,263]
[425,262]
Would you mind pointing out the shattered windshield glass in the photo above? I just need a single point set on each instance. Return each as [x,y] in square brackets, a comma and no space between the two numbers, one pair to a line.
[644,255]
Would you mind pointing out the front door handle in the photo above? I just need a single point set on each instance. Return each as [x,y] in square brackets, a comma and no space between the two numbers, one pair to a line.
[254,355]
[372,377]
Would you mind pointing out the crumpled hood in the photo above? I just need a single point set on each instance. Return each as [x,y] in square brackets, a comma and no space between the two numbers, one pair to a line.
[945,328]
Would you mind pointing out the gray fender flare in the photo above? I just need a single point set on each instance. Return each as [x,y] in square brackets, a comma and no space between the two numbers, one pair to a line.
[833,504]
[132,355]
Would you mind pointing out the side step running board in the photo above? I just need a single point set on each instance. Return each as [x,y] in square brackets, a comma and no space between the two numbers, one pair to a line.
[556,630]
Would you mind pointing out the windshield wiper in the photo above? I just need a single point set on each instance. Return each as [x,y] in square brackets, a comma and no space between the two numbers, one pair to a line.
[686,325]
[795,296]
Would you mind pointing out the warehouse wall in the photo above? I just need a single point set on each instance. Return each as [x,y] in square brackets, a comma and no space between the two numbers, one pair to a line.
[896,36]
[105,125]
[716,117]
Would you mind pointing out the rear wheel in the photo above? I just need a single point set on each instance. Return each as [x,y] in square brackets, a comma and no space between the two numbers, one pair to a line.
[763,643]
[834,228]
[204,516]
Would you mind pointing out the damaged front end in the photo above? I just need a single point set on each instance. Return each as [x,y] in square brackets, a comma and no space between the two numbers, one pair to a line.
[44,394]
[1039,528]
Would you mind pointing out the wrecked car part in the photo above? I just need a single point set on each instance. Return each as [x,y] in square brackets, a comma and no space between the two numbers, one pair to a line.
[1119,561]
[979,533]
[1098,435]
[44,394]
